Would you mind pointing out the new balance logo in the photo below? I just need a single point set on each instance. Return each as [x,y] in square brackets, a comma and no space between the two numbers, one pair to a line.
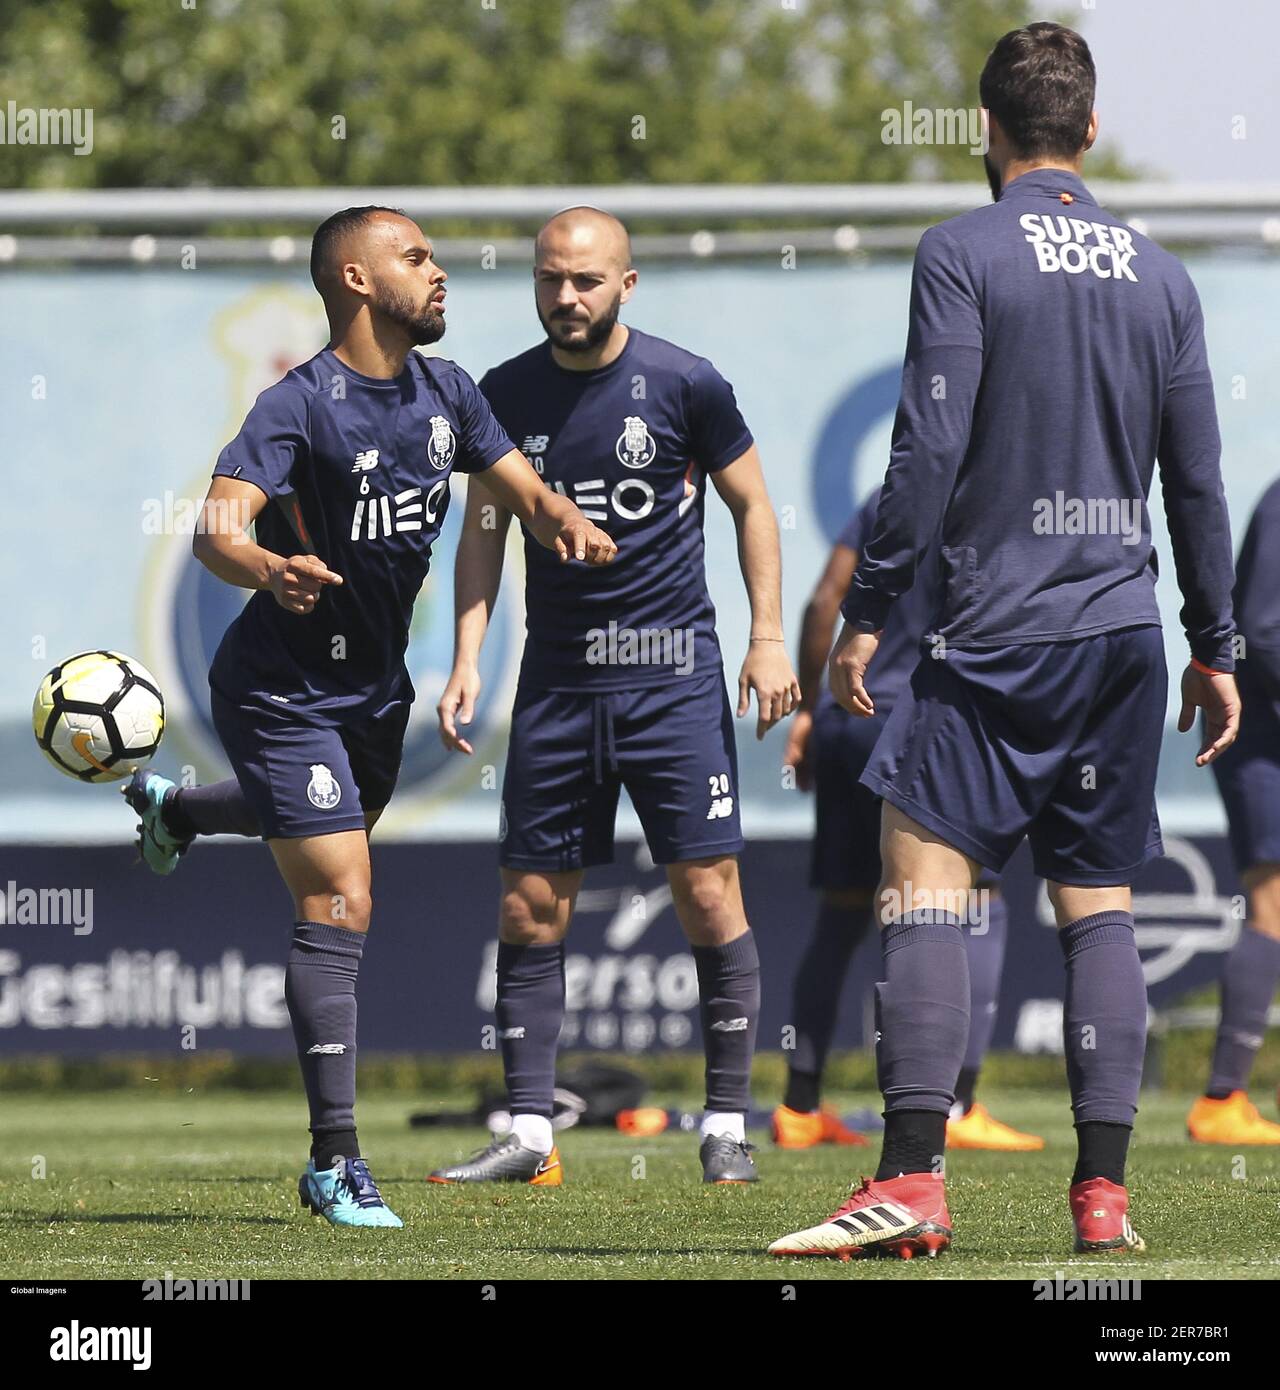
[535,444]
[511,1034]
[729,1025]
[366,459]
[326,1049]
[721,808]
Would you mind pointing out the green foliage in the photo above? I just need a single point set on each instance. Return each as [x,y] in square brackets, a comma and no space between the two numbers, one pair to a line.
[315,92]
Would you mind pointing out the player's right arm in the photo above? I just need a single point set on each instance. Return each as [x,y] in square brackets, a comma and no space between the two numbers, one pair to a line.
[816,631]
[1189,455]
[477,574]
[225,546]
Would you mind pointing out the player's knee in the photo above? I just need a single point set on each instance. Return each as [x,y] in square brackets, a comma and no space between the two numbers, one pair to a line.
[704,894]
[1264,900]
[351,906]
[528,919]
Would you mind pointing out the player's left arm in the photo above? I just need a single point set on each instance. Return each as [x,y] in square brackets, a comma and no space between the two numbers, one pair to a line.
[552,520]
[767,668]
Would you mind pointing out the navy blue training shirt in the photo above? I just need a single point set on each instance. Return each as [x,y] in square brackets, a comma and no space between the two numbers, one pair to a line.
[631,444]
[1257,603]
[357,469]
[908,622]
[1052,355]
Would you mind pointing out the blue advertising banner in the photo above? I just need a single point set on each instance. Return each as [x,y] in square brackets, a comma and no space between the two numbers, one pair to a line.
[97,955]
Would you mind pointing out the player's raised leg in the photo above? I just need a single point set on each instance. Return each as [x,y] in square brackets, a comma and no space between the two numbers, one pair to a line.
[170,816]
[329,878]
[535,913]
[708,901]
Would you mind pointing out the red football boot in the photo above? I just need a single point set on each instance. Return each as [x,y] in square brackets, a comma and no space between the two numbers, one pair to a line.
[1100,1210]
[904,1216]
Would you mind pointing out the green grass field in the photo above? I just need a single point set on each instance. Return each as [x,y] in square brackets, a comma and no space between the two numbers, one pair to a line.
[202,1185]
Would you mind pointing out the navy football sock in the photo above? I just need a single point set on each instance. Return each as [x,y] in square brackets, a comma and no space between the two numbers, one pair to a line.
[729,1009]
[915,1141]
[1249,982]
[530,1013]
[985,950]
[922,1011]
[1102,1151]
[320,990]
[218,809]
[815,997]
[1104,1020]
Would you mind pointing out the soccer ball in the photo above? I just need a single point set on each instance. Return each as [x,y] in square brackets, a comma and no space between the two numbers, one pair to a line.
[98,716]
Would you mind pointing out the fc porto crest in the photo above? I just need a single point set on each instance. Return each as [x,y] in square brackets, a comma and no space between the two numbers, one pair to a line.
[635,447]
[442,446]
[323,791]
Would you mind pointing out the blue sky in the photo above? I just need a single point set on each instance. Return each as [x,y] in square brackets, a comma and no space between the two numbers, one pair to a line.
[1174,74]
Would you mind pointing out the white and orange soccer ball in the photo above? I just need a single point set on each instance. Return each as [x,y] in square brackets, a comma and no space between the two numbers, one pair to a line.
[98,716]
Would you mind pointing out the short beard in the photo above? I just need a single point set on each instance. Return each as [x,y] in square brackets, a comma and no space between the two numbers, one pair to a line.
[993,177]
[596,332]
[422,326]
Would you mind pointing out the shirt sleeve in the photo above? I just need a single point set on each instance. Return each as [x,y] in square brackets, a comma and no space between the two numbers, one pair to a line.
[857,530]
[1189,453]
[717,432]
[1257,593]
[274,440]
[483,441]
[940,379]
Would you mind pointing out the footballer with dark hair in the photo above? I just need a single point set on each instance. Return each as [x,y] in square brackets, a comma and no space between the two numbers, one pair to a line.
[343,467]
[1053,355]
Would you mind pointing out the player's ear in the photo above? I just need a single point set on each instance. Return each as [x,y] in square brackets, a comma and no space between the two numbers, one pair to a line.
[629,279]
[1091,134]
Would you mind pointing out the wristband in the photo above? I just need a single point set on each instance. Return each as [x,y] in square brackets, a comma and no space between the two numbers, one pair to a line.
[1207,670]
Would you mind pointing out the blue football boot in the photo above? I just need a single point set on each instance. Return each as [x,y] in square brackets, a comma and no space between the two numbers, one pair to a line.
[346,1195]
[146,792]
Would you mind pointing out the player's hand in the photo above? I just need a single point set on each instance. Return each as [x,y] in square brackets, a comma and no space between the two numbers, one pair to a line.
[458,706]
[797,752]
[298,582]
[1218,697]
[767,671]
[579,539]
[847,669]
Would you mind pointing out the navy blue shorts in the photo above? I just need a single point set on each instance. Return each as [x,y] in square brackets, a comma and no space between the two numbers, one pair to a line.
[311,779]
[571,752]
[1057,741]
[1248,777]
[846,832]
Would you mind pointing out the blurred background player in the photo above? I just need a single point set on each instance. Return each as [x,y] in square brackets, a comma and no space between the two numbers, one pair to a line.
[621,683]
[1248,776]
[1052,355]
[349,454]
[829,747]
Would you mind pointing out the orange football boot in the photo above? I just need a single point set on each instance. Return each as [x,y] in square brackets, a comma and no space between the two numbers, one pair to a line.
[1232,1121]
[804,1129]
[643,1122]
[977,1128]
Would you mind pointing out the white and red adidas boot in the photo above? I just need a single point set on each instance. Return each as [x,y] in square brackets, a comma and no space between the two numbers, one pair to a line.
[1100,1209]
[905,1216]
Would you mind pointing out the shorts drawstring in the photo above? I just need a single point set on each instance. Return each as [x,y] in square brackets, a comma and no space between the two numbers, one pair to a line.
[603,743]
